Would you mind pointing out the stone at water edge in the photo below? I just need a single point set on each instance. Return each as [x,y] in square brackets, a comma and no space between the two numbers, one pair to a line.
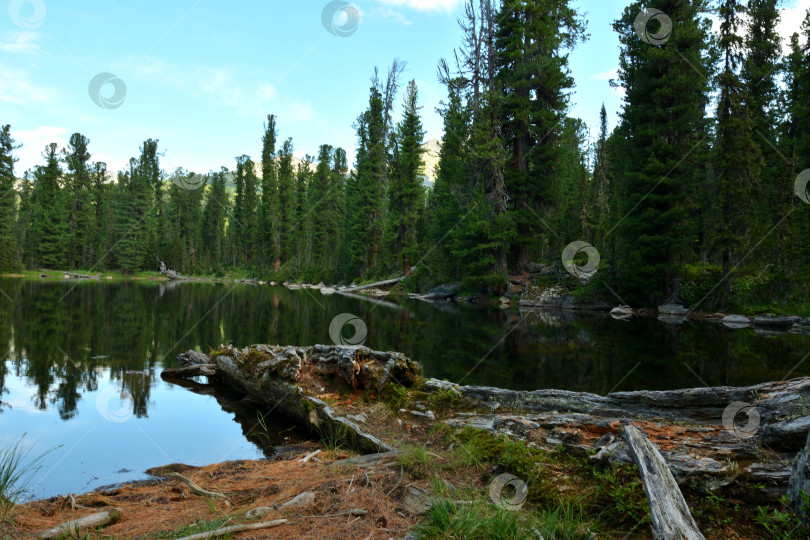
[672,309]
[736,321]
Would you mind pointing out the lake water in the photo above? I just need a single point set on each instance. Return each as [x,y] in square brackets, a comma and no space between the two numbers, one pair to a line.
[81,362]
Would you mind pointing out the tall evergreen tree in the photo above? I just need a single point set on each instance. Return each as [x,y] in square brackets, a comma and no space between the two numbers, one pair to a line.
[664,174]
[79,185]
[49,211]
[406,192]
[215,214]
[286,201]
[270,227]
[9,256]
[737,158]
[533,40]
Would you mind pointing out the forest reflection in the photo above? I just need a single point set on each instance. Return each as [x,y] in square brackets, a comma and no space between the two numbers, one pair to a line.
[61,336]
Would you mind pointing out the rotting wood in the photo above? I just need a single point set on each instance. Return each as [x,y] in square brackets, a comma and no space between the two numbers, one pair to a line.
[378,284]
[235,529]
[197,489]
[96,520]
[671,518]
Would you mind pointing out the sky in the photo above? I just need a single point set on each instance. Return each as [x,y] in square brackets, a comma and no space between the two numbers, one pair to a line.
[202,75]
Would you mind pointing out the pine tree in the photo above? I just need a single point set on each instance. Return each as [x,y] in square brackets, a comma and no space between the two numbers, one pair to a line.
[366,227]
[760,70]
[49,211]
[323,211]
[270,226]
[244,224]
[213,222]
[9,255]
[135,210]
[406,191]
[532,43]
[663,174]
[303,179]
[452,188]
[24,223]
[77,157]
[286,201]
[737,157]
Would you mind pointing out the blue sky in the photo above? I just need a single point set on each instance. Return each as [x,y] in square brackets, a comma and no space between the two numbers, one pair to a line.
[201,75]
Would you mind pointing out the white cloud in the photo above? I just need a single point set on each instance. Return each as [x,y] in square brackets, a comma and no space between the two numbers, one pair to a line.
[20,42]
[390,13]
[791,21]
[606,75]
[16,88]
[34,142]
[424,5]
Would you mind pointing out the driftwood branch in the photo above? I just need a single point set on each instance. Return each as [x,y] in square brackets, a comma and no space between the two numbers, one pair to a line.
[197,489]
[670,514]
[235,529]
[92,521]
[310,456]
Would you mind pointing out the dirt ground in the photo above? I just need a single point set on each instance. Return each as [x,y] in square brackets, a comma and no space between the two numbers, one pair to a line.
[164,507]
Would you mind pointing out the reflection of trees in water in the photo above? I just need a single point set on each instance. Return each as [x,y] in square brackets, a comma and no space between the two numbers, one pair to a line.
[61,345]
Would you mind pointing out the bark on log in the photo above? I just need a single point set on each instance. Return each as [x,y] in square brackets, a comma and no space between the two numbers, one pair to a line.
[384,283]
[235,529]
[691,427]
[671,519]
[278,376]
[94,520]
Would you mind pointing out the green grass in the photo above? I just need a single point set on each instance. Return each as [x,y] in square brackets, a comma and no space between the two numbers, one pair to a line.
[15,473]
[194,528]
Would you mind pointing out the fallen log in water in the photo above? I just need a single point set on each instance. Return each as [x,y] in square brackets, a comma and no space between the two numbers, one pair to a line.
[698,430]
[290,378]
[376,285]
[670,515]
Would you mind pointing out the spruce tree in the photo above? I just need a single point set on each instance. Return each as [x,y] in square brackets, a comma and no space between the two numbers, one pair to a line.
[533,40]
[270,227]
[737,157]
[452,189]
[666,85]
[214,218]
[406,191]
[50,231]
[286,201]
[77,157]
[9,255]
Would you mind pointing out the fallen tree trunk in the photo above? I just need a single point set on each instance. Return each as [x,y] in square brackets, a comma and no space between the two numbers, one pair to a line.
[289,379]
[695,429]
[671,518]
[92,521]
[384,283]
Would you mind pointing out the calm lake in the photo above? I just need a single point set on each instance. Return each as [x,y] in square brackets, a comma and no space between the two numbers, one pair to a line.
[80,369]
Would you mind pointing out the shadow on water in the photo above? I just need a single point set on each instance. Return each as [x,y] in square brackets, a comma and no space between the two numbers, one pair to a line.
[82,363]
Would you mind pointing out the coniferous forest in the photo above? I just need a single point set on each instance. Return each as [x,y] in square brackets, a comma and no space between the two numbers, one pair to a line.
[696,195]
